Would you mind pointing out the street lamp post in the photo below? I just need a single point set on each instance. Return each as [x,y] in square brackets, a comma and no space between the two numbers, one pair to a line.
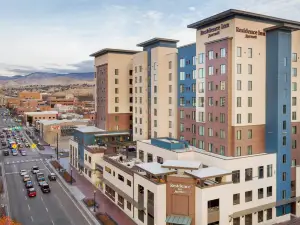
[71,177]
[94,201]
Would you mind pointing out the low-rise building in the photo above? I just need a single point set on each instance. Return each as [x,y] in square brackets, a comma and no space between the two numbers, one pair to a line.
[169,181]
[50,130]
[29,95]
[31,117]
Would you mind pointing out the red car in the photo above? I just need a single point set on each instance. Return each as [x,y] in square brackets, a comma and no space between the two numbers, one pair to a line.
[31,192]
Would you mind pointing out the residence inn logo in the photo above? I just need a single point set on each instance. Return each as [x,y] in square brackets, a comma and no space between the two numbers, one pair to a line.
[213,31]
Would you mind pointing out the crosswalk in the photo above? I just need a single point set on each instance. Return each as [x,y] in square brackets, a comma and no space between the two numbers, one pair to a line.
[24,161]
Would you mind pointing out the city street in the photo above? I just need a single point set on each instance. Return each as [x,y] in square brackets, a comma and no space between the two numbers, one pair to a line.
[53,208]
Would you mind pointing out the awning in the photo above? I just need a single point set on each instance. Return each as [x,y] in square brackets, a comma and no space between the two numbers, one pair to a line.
[180,220]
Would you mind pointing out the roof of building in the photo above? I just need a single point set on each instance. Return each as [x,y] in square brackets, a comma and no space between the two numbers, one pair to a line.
[89,129]
[112,133]
[231,13]
[113,50]
[181,164]
[49,122]
[155,40]
[41,113]
[208,172]
[154,168]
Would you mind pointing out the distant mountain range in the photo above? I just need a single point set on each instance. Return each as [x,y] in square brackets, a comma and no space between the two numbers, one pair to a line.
[41,78]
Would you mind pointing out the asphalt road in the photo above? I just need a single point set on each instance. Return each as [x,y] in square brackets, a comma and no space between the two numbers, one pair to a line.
[55,208]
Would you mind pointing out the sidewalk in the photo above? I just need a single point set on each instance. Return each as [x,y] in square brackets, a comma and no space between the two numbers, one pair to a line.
[105,205]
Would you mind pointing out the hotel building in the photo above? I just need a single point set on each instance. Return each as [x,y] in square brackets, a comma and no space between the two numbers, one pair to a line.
[170,182]
[113,94]
[236,98]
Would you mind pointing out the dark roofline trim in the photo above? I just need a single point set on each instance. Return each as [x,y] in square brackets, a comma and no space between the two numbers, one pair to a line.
[156,39]
[231,13]
[113,50]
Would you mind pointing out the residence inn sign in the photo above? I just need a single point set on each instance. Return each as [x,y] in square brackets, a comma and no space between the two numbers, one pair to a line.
[181,188]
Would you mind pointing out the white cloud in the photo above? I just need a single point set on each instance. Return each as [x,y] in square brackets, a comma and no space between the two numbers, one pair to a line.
[67,38]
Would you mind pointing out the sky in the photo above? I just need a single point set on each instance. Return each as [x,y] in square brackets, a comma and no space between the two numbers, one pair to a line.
[59,35]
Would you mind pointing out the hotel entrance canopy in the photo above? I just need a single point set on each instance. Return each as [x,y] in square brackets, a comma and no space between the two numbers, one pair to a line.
[180,220]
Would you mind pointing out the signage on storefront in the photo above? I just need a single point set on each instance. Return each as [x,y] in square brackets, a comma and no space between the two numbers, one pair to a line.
[55,127]
[181,188]
[250,33]
[213,31]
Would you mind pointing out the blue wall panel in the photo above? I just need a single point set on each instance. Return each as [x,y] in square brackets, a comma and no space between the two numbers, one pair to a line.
[278,97]
[187,53]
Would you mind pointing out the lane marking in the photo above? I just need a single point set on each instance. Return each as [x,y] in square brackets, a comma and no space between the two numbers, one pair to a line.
[25,197]
[31,218]
[28,207]
[47,209]
[86,219]
[52,222]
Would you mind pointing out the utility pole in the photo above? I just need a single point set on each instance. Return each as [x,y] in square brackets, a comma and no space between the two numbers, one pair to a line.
[57,145]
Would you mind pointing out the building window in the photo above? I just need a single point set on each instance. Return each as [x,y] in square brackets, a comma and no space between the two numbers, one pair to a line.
[182,63]
[222,85]
[249,52]
[239,52]
[236,199]
[210,147]
[269,213]
[170,64]
[120,177]
[294,57]
[149,157]
[284,140]
[194,74]
[250,134]
[294,72]
[210,132]
[170,76]
[182,76]
[201,58]
[239,102]
[116,99]
[155,123]
[294,130]
[249,149]
[223,69]
[223,52]
[129,183]
[284,176]
[294,101]
[210,101]
[194,60]
[260,172]
[236,176]
[116,72]
[260,193]
[239,68]
[249,117]
[210,70]
[222,134]
[248,174]
[222,117]
[116,90]
[294,86]
[237,221]
[201,73]
[210,55]
[248,196]
[141,215]
[249,101]
[294,163]
[238,134]
[128,205]
[269,191]
[269,170]
[284,194]
[238,118]
[170,124]
[155,100]
[260,216]
[238,151]
[249,69]
[239,85]
[294,115]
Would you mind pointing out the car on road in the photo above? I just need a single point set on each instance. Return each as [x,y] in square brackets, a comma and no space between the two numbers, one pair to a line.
[52,177]
[5,152]
[29,184]
[23,172]
[31,192]
[45,188]
[35,169]
[14,152]
[40,177]
[23,152]
[26,177]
